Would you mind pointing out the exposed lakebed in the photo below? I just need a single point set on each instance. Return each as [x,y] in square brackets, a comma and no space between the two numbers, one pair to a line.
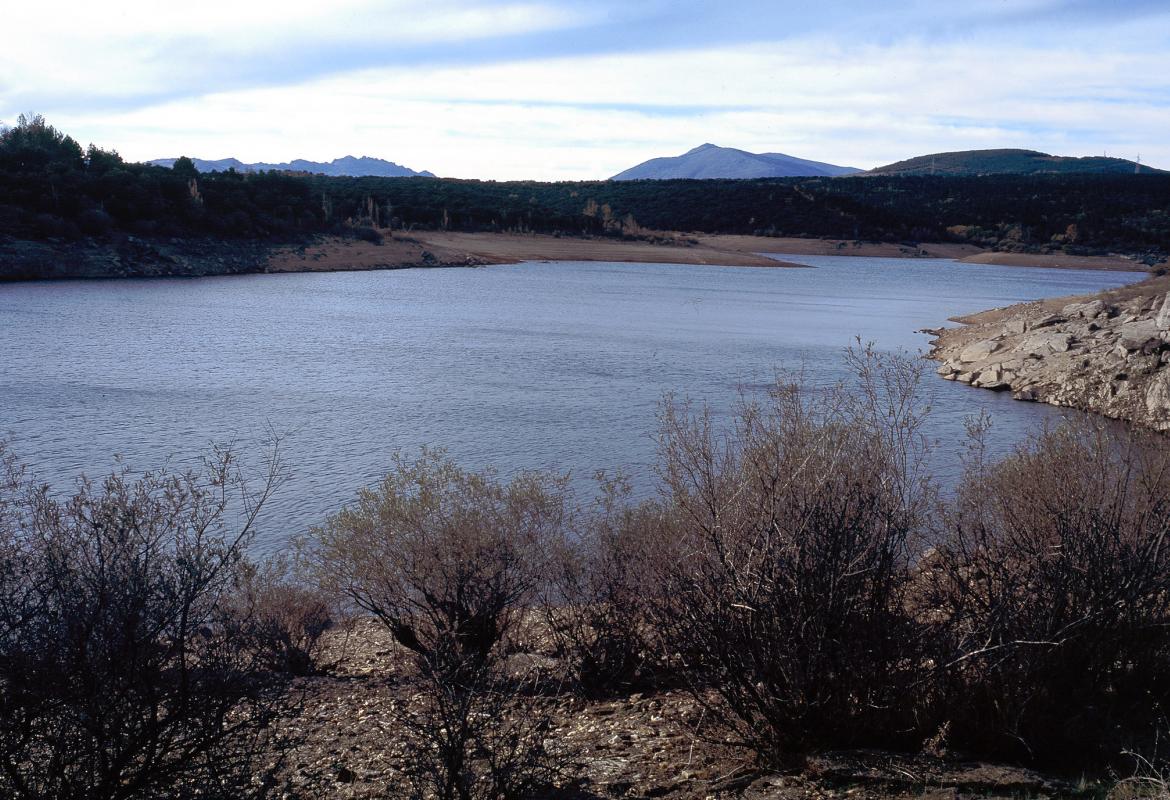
[535,365]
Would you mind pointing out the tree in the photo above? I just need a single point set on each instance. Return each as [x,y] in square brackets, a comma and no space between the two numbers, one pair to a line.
[185,168]
[35,145]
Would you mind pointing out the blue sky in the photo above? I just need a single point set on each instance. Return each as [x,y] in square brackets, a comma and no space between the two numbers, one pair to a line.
[549,89]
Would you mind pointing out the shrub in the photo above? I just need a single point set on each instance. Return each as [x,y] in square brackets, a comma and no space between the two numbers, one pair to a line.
[785,588]
[1055,585]
[450,562]
[289,619]
[122,670]
[598,608]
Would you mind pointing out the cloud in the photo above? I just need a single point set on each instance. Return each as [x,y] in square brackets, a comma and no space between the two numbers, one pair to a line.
[545,90]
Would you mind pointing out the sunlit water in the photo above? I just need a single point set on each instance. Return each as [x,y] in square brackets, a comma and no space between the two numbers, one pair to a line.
[536,365]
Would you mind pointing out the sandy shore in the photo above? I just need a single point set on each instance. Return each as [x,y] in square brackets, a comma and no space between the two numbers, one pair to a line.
[443,248]
[435,249]
[1055,261]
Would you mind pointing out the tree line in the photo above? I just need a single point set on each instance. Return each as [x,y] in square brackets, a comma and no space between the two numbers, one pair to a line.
[50,187]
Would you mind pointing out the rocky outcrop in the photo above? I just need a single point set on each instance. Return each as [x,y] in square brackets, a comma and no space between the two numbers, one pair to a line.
[1108,354]
[128,257]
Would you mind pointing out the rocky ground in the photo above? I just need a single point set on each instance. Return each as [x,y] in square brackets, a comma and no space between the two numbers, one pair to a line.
[645,745]
[1107,353]
[128,257]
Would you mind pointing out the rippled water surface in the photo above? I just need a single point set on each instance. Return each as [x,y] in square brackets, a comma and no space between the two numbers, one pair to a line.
[549,365]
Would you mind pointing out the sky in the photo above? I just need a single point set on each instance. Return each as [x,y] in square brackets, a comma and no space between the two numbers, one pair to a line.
[580,90]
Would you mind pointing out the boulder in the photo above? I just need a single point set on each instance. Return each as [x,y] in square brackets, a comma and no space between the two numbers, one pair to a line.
[1047,320]
[1140,335]
[992,378]
[978,351]
[1089,310]
[1162,321]
[1039,345]
[1158,401]
[1015,326]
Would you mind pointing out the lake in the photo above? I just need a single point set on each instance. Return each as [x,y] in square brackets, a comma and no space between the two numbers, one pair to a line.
[534,365]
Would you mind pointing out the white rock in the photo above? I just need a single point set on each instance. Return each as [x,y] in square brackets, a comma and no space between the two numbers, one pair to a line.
[1088,310]
[1158,401]
[978,351]
[1136,335]
[1042,344]
[1162,321]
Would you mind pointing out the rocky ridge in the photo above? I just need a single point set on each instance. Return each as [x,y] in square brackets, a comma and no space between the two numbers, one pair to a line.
[1107,353]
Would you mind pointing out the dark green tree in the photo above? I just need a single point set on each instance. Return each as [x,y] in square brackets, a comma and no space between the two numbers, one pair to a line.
[184,167]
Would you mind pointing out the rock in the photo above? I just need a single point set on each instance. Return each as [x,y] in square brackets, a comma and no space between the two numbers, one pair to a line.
[991,379]
[1162,321]
[1040,345]
[1046,321]
[1140,334]
[1015,326]
[1089,310]
[978,351]
[1158,401]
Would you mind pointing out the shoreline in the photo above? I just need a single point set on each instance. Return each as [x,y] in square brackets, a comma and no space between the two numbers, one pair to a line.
[132,257]
[1106,353]
[418,249]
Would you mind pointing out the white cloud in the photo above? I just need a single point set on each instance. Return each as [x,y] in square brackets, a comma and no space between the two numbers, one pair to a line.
[590,116]
[139,47]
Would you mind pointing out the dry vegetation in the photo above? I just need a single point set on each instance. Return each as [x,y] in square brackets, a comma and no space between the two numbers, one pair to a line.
[797,589]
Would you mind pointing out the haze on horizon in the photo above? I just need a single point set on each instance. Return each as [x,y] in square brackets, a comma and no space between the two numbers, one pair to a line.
[554,89]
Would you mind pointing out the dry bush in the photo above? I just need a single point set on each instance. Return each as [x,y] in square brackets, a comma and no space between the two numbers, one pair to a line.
[477,737]
[1055,583]
[122,667]
[288,618]
[785,579]
[451,562]
[603,585]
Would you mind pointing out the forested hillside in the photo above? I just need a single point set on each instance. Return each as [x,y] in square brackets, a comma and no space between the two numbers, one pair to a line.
[50,188]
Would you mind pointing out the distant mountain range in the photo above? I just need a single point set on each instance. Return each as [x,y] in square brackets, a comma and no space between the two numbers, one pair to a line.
[1018,162]
[348,166]
[710,161]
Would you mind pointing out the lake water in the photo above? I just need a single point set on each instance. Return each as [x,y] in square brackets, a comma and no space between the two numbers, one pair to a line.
[536,365]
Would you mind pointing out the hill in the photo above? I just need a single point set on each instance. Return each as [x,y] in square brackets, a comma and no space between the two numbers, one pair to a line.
[347,167]
[710,161]
[1017,162]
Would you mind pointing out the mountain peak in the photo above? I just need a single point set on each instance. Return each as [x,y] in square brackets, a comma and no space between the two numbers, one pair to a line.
[711,161]
[1008,161]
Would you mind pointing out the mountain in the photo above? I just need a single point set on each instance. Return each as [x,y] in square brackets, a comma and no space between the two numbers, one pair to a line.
[348,166]
[709,161]
[1019,162]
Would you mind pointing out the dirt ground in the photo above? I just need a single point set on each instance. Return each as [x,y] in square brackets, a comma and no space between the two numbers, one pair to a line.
[645,745]
[450,249]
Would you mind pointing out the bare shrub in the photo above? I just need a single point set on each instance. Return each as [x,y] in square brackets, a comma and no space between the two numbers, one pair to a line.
[601,593]
[451,562]
[122,670]
[1055,584]
[288,618]
[784,589]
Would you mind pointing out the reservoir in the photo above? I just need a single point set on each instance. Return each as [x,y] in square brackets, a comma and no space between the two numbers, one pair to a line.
[536,365]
